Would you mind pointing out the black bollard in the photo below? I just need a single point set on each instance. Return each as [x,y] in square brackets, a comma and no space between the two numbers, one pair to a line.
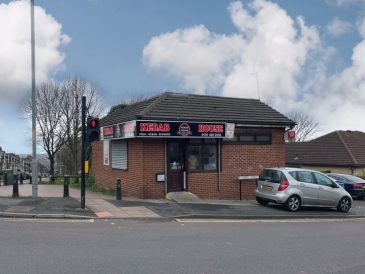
[65,186]
[15,186]
[5,178]
[119,189]
[21,178]
[30,180]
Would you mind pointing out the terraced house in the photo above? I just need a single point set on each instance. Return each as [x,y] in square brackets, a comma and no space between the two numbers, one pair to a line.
[183,142]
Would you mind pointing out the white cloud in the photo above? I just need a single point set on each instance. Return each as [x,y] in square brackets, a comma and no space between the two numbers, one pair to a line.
[338,27]
[291,62]
[338,100]
[15,65]
[195,55]
[268,43]
[15,49]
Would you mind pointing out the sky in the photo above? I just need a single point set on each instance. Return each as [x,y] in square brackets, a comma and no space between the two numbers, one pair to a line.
[293,55]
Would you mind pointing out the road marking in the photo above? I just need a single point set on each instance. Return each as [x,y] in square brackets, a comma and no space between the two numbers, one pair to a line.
[268,221]
[48,220]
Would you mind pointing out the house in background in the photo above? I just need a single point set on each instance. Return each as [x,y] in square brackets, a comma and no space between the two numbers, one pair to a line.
[337,152]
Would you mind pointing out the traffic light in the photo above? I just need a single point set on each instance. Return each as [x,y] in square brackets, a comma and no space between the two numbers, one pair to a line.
[93,129]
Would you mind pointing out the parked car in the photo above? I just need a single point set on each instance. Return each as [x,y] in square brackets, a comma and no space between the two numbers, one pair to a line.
[353,184]
[296,187]
[27,175]
[20,173]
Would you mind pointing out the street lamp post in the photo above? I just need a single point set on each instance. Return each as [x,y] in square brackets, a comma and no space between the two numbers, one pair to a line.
[34,109]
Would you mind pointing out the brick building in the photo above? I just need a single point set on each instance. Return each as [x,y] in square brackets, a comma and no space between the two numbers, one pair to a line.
[184,142]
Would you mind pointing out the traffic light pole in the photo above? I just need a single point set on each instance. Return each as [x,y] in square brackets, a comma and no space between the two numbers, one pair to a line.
[83,140]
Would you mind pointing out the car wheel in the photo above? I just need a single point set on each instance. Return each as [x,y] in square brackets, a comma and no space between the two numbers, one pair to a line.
[344,204]
[261,201]
[293,203]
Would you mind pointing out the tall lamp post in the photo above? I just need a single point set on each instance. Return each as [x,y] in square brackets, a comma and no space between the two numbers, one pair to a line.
[34,109]
[2,158]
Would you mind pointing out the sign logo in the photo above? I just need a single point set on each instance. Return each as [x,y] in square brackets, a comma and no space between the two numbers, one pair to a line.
[291,134]
[184,130]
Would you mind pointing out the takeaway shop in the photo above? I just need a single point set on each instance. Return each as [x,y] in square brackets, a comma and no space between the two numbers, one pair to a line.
[155,157]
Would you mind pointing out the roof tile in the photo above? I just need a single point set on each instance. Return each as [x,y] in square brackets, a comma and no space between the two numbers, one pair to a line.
[338,148]
[191,107]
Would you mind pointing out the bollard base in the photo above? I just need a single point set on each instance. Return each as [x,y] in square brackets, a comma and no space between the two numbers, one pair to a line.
[15,187]
[65,186]
[119,189]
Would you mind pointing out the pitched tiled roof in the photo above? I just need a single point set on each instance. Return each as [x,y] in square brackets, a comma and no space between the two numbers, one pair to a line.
[171,106]
[338,148]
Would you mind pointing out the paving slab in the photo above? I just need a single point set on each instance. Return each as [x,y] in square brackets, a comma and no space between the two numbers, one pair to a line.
[51,204]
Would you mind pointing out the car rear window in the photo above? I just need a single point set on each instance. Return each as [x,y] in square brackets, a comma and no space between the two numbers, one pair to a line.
[275,176]
[354,179]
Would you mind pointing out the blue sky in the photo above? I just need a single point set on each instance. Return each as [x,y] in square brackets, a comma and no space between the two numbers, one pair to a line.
[305,55]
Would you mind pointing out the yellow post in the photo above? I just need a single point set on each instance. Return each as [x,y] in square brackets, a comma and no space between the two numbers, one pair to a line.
[86,166]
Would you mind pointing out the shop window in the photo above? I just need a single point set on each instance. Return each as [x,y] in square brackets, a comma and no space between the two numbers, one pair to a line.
[247,138]
[250,138]
[119,154]
[202,154]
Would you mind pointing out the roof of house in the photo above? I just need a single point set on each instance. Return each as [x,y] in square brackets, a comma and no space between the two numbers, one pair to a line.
[338,148]
[171,106]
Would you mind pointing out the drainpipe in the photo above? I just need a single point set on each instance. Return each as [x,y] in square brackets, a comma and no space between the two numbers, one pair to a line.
[219,164]
[165,166]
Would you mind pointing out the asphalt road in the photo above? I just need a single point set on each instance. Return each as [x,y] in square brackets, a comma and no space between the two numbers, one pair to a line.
[209,247]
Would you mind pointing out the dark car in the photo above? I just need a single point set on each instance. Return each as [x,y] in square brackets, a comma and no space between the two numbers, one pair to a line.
[27,175]
[352,184]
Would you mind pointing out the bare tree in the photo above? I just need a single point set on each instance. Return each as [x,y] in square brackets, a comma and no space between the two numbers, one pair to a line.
[74,88]
[49,118]
[59,116]
[307,127]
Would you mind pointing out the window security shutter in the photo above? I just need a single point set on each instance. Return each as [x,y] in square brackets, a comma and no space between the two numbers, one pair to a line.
[119,154]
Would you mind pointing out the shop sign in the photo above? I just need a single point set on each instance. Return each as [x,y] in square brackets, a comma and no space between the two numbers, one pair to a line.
[125,130]
[248,177]
[180,129]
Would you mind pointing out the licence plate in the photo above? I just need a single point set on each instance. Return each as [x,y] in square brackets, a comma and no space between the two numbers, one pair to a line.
[265,187]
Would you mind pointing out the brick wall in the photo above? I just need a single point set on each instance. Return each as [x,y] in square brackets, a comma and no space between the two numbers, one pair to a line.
[146,158]
[239,160]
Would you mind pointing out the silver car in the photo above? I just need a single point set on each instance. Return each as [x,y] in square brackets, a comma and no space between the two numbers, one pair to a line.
[296,187]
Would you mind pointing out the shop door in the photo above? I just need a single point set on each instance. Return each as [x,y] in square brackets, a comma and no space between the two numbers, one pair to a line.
[175,165]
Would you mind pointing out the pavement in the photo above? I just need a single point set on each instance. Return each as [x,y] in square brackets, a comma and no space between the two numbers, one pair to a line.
[51,204]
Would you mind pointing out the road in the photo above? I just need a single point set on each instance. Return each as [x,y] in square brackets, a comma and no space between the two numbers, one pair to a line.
[209,247]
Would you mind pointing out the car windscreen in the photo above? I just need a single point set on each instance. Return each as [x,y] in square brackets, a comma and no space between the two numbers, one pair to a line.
[336,177]
[271,175]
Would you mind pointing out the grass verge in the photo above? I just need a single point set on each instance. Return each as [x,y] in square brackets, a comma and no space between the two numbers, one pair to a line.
[77,184]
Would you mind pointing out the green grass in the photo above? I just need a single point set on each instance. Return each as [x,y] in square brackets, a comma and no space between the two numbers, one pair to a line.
[72,183]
